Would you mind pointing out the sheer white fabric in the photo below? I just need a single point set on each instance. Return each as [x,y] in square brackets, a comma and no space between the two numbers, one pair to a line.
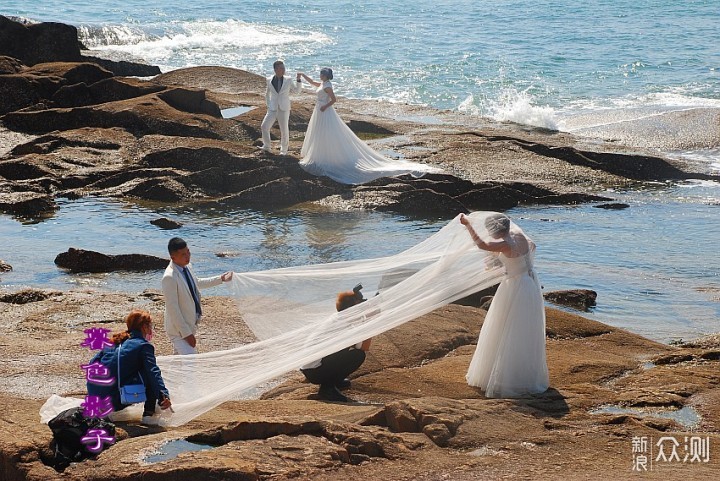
[332,149]
[509,359]
[292,313]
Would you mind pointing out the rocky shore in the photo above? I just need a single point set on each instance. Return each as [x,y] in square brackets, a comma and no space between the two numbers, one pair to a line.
[414,415]
[75,125]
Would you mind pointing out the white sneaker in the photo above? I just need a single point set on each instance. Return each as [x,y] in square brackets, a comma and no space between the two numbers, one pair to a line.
[153,420]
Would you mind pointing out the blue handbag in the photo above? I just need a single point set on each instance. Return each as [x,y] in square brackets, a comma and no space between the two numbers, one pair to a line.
[130,393]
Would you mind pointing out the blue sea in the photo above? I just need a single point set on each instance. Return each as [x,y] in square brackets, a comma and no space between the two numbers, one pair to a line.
[641,73]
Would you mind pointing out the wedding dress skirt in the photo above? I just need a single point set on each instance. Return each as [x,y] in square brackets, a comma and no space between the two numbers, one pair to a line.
[333,150]
[510,360]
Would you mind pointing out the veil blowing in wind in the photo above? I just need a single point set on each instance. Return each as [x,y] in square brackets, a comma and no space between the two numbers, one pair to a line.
[292,313]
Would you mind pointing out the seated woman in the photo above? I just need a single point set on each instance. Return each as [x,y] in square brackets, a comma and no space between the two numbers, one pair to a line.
[331,371]
[137,365]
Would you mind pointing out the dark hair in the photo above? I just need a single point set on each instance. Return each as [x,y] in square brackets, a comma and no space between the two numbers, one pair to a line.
[134,322]
[175,244]
[349,298]
[276,63]
[327,71]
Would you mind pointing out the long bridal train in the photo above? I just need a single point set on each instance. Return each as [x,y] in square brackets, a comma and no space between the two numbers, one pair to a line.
[292,313]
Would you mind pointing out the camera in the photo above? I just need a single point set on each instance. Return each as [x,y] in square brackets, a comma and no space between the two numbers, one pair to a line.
[357,292]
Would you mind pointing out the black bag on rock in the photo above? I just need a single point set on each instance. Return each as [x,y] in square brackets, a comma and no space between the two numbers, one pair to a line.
[68,429]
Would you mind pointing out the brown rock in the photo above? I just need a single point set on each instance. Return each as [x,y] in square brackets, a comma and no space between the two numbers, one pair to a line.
[612,206]
[190,100]
[438,433]
[4,266]
[40,42]
[17,92]
[72,72]
[119,88]
[160,189]
[27,295]
[217,79]
[31,205]
[165,223]
[123,67]
[9,65]
[80,260]
[580,299]
[144,115]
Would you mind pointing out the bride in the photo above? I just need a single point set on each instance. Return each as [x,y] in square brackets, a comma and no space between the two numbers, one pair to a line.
[509,359]
[332,149]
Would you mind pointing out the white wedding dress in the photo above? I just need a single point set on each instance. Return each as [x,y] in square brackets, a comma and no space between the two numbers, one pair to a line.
[509,359]
[333,150]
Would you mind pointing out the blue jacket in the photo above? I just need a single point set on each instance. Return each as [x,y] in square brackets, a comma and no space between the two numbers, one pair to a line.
[137,365]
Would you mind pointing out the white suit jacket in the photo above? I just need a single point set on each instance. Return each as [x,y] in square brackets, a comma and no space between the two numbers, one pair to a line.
[281,100]
[180,317]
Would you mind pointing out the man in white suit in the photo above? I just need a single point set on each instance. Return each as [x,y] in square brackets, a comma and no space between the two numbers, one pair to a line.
[277,98]
[182,297]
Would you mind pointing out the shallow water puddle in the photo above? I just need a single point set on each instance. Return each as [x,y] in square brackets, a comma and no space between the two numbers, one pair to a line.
[235,111]
[686,417]
[172,449]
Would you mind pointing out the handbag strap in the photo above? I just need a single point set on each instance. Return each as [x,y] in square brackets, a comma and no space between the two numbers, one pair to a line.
[119,348]
[118,356]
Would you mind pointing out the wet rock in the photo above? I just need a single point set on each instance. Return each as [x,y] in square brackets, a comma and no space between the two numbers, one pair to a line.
[580,299]
[283,192]
[80,260]
[165,223]
[160,189]
[405,198]
[612,206]
[30,205]
[39,42]
[638,167]
[425,202]
[496,197]
[4,266]
[28,295]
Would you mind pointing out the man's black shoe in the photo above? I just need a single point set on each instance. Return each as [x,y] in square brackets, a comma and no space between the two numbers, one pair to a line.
[344,384]
[331,393]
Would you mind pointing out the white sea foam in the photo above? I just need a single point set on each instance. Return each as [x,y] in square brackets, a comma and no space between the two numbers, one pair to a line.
[197,42]
[512,106]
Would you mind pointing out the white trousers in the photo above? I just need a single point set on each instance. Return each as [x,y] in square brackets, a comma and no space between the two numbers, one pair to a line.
[282,117]
[181,346]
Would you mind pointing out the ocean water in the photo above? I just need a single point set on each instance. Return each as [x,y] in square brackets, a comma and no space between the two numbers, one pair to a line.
[549,63]
[649,264]
[642,73]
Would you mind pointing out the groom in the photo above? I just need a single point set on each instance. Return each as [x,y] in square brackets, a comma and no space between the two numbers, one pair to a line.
[277,98]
